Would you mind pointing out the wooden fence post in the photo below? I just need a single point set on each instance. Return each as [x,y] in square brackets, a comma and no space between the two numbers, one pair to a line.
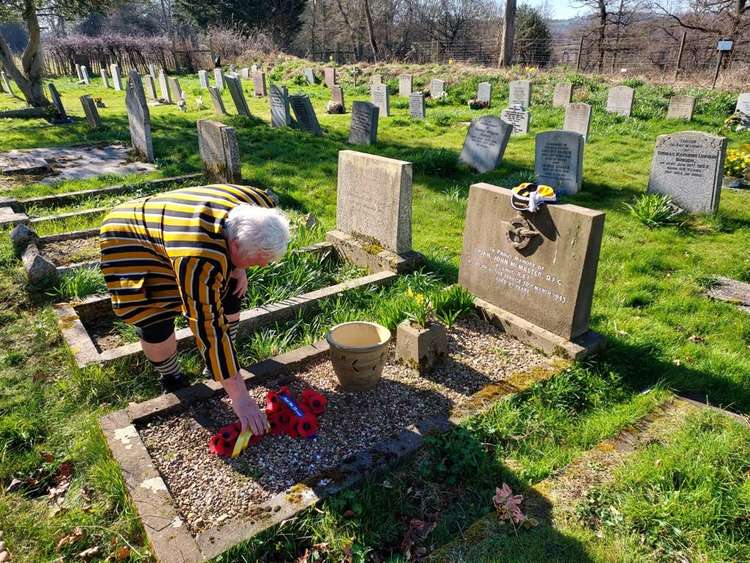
[578,58]
[679,56]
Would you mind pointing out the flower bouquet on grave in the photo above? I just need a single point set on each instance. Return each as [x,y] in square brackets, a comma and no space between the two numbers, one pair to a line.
[478,104]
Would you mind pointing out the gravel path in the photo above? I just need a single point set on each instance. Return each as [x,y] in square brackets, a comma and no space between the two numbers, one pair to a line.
[209,490]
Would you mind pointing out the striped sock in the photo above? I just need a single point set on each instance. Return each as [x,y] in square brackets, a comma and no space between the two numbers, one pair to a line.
[169,368]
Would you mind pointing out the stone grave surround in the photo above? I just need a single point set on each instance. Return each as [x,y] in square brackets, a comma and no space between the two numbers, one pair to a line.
[364,125]
[688,166]
[681,107]
[620,100]
[533,273]
[558,160]
[139,117]
[219,151]
[578,119]
[485,143]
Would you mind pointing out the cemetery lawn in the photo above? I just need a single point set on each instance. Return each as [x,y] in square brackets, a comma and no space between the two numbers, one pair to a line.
[663,336]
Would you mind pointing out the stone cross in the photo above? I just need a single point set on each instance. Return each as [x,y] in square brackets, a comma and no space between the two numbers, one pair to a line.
[219,79]
[578,119]
[218,102]
[559,160]
[620,100]
[305,114]
[279,100]
[689,167]
[518,118]
[238,95]
[743,103]
[437,88]
[380,97]
[329,76]
[485,143]
[405,85]
[374,199]
[166,95]
[681,107]
[219,151]
[364,125]
[139,118]
[203,79]
[484,92]
[259,84]
[91,111]
[105,77]
[520,93]
[116,78]
[416,105]
[563,95]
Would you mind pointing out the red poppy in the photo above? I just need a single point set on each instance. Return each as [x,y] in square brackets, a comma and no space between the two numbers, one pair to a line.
[284,418]
[315,401]
[220,446]
[273,403]
[276,427]
[307,426]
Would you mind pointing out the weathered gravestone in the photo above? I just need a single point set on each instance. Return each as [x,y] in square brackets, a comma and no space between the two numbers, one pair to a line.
[688,166]
[219,79]
[743,103]
[92,113]
[485,143]
[533,273]
[309,76]
[484,93]
[253,68]
[4,83]
[376,79]
[238,95]
[152,70]
[405,85]
[562,95]
[337,96]
[559,160]
[329,76]
[85,75]
[175,90]
[219,151]
[620,100]
[139,117]
[150,88]
[364,125]
[380,97]
[578,119]
[681,107]
[62,115]
[203,79]
[105,77]
[116,78]
[305,113]
[519,93]
[166,95]
[279,100]
[416,105]
[216,99]
[259,84]
[78,72]
[437,88]
[518,118]
[245,73]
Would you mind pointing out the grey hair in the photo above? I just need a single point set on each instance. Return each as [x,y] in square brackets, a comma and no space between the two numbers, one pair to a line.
[259,230]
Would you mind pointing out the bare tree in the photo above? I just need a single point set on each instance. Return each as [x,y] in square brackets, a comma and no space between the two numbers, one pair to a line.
[721,17]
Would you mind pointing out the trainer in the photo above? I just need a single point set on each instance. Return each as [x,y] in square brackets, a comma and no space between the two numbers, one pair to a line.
[185,252]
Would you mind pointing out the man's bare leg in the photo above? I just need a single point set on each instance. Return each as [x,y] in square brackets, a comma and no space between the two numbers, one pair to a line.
[161,350]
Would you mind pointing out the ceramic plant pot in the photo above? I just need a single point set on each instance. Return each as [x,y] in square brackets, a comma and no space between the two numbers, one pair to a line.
[421,348]
[358,352]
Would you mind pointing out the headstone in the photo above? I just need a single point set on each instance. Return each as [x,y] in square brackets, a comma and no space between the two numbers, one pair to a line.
[253,69]
[620,100]
[85,75]
[233,69]
[150,87]
[116,78]
[203,79]
[92,113]
[166,95]
[563,95]
[380,97]
[78,73]
[485,143]
[416,105]
[437,88]
[364,125]
[520,93]
[175,91]
[219,151]
[681,107]
[374,199]
[546,279]
[139,117]
[259,84]
[518,118]
[329,76]
[405,85]
[337,96]
[376,79]
[105,77]
[219,79]
[484,92]
[305,113]
[559,160]
[689,167]
[245,73]
[578,119]
[152,70]
[238,96]
[57,102]
[743,103]
[279,100]
[218,102]
[309,76]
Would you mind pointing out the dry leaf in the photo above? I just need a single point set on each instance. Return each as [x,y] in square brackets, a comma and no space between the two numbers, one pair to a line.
[122,553]
[89,553]
[71,538]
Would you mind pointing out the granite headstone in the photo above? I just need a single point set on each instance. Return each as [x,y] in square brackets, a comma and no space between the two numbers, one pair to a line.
[139,118]
[364,125]
[620,100]
[305,113]
[485,143]
[559,160]
[578,119]
[380,97]
[279,100]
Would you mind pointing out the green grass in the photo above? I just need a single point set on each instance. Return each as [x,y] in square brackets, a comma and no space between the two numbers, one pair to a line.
[649,304]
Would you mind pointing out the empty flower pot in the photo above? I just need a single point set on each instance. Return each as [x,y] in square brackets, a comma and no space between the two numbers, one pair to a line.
[421,348]
[358,352]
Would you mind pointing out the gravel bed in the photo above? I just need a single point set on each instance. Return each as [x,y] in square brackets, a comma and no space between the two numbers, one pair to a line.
[66,252]
[209,490]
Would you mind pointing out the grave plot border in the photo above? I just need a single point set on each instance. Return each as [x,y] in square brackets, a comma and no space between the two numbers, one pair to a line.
[169,538]
[71,315]
[72,235]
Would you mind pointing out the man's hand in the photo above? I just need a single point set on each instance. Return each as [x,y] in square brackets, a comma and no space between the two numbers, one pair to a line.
[244,406]
[240,277]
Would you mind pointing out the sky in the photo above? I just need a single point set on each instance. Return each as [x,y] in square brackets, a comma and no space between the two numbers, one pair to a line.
[558,9]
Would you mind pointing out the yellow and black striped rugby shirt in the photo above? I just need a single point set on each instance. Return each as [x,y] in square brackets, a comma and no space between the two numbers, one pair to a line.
[166,254]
